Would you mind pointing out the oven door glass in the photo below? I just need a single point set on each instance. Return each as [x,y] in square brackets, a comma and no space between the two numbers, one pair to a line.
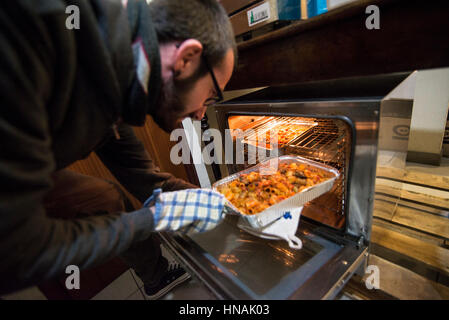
[237,265]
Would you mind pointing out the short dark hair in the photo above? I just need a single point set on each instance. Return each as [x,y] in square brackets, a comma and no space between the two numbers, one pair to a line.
[203,20]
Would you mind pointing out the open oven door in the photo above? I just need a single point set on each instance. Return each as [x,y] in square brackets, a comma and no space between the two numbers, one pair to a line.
[234,264]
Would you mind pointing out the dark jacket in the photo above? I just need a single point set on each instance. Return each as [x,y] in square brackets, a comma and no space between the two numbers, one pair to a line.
[62,91]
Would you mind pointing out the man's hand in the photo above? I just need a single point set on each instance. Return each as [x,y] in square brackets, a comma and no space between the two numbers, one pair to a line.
[190,210]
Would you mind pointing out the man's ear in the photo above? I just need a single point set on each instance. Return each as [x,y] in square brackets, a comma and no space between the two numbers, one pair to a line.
[187,58]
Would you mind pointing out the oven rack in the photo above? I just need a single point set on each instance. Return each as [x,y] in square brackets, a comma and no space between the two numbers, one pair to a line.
[260,130]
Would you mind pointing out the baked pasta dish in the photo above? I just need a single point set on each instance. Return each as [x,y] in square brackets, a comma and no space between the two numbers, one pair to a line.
[252,193]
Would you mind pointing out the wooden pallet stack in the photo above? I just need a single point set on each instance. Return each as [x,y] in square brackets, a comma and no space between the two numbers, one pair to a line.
[410,234]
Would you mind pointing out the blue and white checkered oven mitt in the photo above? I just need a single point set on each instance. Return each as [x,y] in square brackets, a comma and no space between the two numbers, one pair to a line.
[189,210]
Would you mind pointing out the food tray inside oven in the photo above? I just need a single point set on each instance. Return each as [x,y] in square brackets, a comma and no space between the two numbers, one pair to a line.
[277,210]
[288,129]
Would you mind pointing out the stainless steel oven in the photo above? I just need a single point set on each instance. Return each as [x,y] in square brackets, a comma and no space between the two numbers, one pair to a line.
[348,115]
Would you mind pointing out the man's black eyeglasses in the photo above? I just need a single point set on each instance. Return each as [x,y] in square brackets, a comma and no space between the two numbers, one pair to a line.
[219,96]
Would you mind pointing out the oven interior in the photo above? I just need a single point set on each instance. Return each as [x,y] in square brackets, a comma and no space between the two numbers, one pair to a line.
[325,140]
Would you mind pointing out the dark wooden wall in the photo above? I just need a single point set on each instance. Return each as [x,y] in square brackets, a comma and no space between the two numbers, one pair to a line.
[414,34]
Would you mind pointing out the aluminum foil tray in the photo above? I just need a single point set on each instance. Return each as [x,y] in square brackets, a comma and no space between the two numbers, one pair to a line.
[276,211]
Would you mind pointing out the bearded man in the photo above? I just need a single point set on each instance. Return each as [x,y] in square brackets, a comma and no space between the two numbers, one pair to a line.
[68,92]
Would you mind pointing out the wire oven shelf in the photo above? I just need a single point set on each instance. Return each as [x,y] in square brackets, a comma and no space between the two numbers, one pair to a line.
[259,133]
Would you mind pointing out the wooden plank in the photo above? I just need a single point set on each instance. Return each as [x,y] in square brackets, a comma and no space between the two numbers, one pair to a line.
[356,289]
[427,199]
[408,232]
[429,254]
[393,193]
[404,284]
[337,44]
[424,207]
[413,176]
[420,220]
[423,195]
[405,218]
[384,209]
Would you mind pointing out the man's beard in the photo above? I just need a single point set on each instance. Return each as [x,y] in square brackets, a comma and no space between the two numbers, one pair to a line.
[169,110]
